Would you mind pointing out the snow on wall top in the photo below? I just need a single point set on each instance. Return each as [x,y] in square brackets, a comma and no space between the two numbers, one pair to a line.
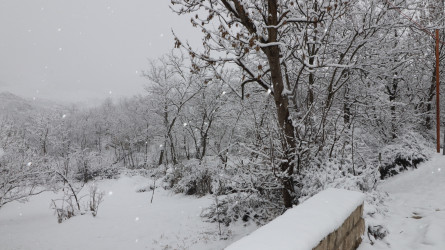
[304,226]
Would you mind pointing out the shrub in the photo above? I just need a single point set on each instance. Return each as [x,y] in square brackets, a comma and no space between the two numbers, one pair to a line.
[406,152]
[96,198]
[191,178]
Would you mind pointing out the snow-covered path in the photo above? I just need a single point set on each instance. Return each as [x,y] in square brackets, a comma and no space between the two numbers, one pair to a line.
[416,209]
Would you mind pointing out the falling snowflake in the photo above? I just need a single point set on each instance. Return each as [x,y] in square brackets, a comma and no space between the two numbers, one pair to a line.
[63,116]
[224,92]
[136,219]
[29,164]
[59,29]
[185,124]
[110,193]
[269,91]
[162,35]
[110,92]
[60,49]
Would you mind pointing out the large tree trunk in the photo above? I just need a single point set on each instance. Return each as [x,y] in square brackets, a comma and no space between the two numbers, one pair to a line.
[282,105]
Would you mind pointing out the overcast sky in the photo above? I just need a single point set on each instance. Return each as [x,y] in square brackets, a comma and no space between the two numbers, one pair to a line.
[83,50]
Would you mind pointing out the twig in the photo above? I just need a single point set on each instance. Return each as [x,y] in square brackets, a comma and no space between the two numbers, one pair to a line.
[153,193]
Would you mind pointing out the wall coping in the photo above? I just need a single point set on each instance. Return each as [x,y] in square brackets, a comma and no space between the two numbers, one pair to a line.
[304,226]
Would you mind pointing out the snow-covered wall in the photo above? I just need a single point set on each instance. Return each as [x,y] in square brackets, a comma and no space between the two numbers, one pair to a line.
[308,225]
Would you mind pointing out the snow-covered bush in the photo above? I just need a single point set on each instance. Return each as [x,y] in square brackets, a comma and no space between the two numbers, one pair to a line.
[190,178]
[174,175]
[96,198]
[63,212]
[405,152]
[337,173]
[71,204]
[244,191]
[92,165]
[21,177]
[246,207]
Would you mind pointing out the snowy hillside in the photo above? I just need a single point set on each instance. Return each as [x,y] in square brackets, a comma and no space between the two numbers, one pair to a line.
[14,105]
[11,103]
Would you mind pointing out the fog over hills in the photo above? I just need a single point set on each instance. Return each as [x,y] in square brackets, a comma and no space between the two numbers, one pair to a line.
[14,105]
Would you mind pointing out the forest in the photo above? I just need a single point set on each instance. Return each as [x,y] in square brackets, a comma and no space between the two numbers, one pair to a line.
[284,99]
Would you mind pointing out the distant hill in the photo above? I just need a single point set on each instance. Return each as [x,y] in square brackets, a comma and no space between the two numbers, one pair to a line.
[10,103]
[13,105]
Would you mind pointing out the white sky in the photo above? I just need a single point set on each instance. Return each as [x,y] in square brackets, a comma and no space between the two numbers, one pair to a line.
[80,50]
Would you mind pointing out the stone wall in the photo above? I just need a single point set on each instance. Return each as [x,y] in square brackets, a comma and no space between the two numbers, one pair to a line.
[330,220]
[346,237]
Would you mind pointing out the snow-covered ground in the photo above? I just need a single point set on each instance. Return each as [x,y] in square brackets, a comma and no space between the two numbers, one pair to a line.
[126,220]
[416,209]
